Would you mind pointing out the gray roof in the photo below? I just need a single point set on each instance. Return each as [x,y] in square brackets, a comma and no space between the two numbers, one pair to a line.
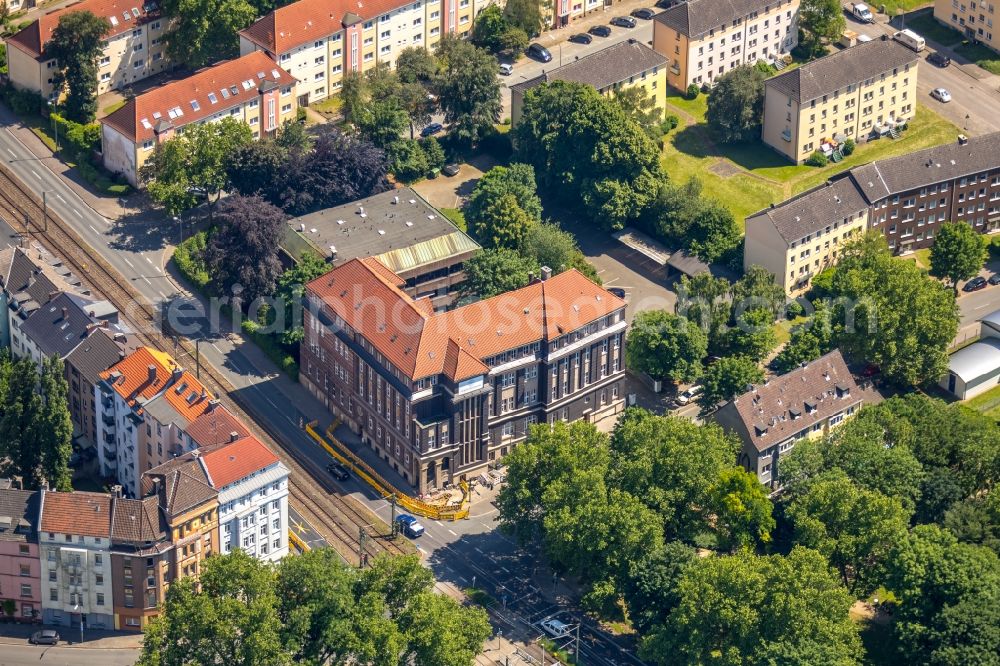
[990,321]
[19,514]
[696,17]
[33,276]
[883,178]
[95,354]
[603,68]
[59,325]
[813,210]
[838,70]
[978,359]
[399,227]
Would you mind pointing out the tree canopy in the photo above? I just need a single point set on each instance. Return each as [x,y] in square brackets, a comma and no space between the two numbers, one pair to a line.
[203,32]
[688,220]
[469,90]
[727,378]
[736,105]
[76,45]
[958,253]
[665,346]
[493,272]
[503,206]
[821,20]
[243,249]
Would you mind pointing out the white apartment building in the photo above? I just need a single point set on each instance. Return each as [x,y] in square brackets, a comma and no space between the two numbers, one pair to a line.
[704,39]
[133,48]
[253,498]
[74,542]
[317,41]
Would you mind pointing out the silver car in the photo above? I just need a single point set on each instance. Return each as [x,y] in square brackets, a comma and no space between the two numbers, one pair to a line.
[941,95]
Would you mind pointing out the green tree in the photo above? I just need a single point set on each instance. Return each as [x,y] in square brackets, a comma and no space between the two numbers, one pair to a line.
[821,20]
[291,291]
[489,29]
[665,346]
[382,122]
[757,289]
[976,520]
[243,251]
[727,378]
[503,206]
[738,610]
[493,272]
[408,161]
[468,89]
[688,220]
[416,65]
[501,223]
[741,508]
[205,31]
[853,527]
[650,589]
[227,615]
[704,299]
[958,253]
[194,160]
[433,152]
[736,105]
[551,246]
[56,425]
[891,313]
[808,341]
[641,107]
[524,14]
[76,45]
[354,94]
[753,335]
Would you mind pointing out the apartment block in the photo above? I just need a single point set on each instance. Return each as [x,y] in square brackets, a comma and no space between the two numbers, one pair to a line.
[806,403]
[441,395]
[972,18]
[317,41]
[627,64]
[133,47]
[851,94]
[704,39]
[74,540]
[251,89]
[800,237]
[140,560]
[562,13]
[253,498]
[20,566]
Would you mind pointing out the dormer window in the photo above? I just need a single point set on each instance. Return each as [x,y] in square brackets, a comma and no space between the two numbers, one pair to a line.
[794,413]
[810,407]
[843,390]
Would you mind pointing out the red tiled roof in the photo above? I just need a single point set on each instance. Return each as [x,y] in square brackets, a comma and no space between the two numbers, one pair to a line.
[188,396]
[214,428]
[238,460]
[132,379]
[87,514]
[419,342]
[245,75]
[307,20]
[33,38]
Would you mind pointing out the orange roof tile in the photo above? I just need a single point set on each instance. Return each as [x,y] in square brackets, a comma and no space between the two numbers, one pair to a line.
[132,379]
[188,396]
[83,513]
[307,20]
[419,342]
[192,96]
[215,427]
[238,460]
[33,38]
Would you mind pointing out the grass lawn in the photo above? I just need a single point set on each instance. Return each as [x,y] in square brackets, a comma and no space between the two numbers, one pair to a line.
[892,7]
[457,217]
[926,26]
[760,176]
[987,403]
[982,56]
[111,108]
[922,257]
[696,107]
[783,328]
[329,105]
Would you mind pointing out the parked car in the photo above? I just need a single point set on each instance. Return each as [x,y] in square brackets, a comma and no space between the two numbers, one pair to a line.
[941,94]
[539,52]
[910,39]
[338,471]
[861,12]
[975,284]
[617,291]
[409,525]
[45,637]
[667,4]
[450,169]
[554,628]
[645,13]
[600,31]
[623,21]
[506,69]
[689,395]
[939,59]
[994,279]
[431,129]
[581,38]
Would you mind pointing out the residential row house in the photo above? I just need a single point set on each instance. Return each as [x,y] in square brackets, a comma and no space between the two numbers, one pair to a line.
[972,18]
[704,39]
[251,89]
[318,41]
[907,198]
[20,568]
[133,48]
[867,89]
[442,395]
[627,64]
[804,404]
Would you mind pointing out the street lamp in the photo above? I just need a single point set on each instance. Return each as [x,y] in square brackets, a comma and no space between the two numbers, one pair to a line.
[180,227]
[79,610]
[197,358]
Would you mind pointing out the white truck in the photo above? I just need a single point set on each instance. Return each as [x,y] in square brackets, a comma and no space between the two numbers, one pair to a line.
[910,39]
[862,12]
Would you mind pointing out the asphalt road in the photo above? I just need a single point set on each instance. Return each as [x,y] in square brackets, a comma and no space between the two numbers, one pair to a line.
[25,655]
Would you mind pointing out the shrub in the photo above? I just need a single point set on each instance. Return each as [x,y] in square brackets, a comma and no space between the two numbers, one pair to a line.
[669,123]
[794,310]
[817,159]
[692,92]
[995,246]
[22,102]
[433,152]
[189,257]
[848,147]
[822,284]
[78,140]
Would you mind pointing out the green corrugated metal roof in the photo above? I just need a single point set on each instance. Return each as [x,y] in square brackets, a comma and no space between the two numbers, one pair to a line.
[407,258]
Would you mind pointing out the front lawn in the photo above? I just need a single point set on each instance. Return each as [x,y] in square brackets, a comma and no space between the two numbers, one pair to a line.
[982,56]
[987,403]
[928,27]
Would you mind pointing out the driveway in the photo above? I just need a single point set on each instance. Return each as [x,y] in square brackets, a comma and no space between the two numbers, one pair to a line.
[451,191]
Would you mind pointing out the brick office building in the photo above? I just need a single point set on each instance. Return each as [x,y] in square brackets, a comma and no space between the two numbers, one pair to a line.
[441,395]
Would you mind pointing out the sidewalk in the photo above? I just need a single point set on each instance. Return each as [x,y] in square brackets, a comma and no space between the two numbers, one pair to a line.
[93,639]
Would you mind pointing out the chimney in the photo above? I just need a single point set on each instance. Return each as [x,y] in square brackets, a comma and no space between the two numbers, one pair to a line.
[151,373]
[203,393]
[116,490]
[156,485]
[65,314]
[233,436]
[212,404]
[333,252]
[546,273]
[531,277]
[175,374]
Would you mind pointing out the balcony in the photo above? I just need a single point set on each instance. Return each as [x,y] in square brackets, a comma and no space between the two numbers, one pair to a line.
[108,419]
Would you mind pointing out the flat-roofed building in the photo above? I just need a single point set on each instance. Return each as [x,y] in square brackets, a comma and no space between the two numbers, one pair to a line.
[408,235]
[627,64]
[251,89]
[704,39]
[973,18]
[870,87]
[134,47]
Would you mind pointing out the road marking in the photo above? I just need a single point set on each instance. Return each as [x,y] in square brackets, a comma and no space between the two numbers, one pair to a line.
[438,523]
[12,153]
[59,196]
[480,552]
[148,260]
[217,348]
[129,263]
[452,532]
[78,213]
[94,230]
[982,306]
[147,280]
[36,174]
[162,295]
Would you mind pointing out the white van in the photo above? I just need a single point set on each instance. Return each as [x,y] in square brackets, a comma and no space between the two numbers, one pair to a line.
[689,395]
[910,39]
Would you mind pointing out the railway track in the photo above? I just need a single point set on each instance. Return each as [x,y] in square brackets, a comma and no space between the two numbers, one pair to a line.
[332,516]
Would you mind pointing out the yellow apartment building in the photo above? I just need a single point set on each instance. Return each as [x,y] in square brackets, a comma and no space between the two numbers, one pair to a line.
[704,39]
[800,237]
[870,87]
[252,89]
[972,18]
[628,64]
[133,48]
